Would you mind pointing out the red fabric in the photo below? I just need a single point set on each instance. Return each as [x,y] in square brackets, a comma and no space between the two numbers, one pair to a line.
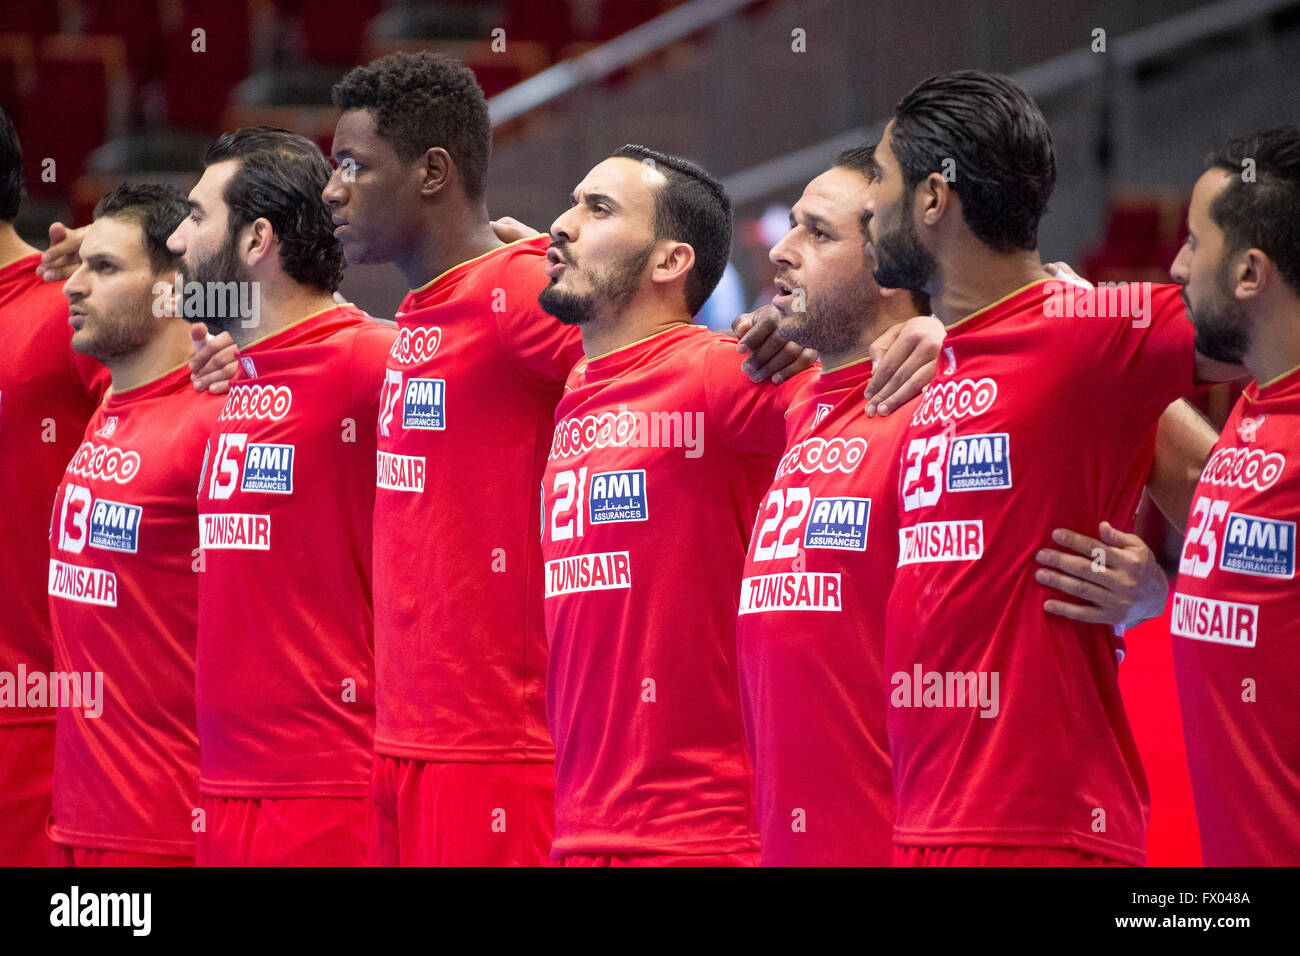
[1042,415]
[295,831]
[460,647]
[124,606]
[283,693]
[84,856]
[998,856]
[1235,618]
[26,769]
[659,859]
[460,814]
[810,635]
[47,394]
[645,531]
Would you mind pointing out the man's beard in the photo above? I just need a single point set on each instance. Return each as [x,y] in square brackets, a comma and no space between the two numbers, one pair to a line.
[113,339]
[615,287]
[222,266]
[832,324]
[901,261]
[1220,323]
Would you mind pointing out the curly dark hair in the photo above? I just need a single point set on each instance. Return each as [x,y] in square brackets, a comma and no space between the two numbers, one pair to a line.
[11,169]
[1262,211]
[691,207]
[157,209]
[280,179]
[999,146]
[423,100]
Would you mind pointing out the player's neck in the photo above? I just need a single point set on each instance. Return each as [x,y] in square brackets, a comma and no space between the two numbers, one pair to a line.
[280,307]
[977,277]
[467,235]
[1276,346]
[12,248]
[167,350]
[609,333]
[893,311]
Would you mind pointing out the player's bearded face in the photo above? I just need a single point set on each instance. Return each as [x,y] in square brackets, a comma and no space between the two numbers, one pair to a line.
[902,262]
[838,308]
[221,266]
[111,311]
[581,293]
[1222,330]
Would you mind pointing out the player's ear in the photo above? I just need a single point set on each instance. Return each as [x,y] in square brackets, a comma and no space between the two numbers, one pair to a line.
[257,241]
[1251,270]
[934,197]
[435,170]
[672,260]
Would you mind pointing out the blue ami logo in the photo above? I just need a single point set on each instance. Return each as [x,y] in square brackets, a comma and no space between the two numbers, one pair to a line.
[1261,546]
[838,523]
[618,496]
[268,468]
[114,526]
[979,461]
[424,404]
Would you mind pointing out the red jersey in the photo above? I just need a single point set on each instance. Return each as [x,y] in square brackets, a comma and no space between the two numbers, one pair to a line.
[1236,626]
[1005,722]
[47,394]
[811,632]
[466,417]
[284,700]
[124,600]
[661,453]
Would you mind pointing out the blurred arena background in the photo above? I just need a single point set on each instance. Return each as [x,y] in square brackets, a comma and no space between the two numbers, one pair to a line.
[762,92]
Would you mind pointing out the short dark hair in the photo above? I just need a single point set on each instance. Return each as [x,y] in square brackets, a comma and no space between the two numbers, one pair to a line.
[1262,213]
[280,179]
[992,135]
[861,160]
[11,169]
[690,207]
[422,100]
[158,210]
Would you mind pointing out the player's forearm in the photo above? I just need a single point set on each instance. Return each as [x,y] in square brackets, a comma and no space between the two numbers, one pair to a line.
[1183,442]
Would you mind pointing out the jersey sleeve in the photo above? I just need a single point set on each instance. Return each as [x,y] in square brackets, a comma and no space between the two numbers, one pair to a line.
[750,417]
[543,348]
[1147,357]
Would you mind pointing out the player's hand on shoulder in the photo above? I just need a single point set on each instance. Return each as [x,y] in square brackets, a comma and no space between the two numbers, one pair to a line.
[61,259]
[215,361]
[1116,575]
[906,357]
[1063,270]
[771,354]
[508,229]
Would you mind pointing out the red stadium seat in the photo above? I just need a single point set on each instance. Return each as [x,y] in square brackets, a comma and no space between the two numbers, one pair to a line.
[198,84]
[17,73]
[82,81]
[139,25]
[332,31]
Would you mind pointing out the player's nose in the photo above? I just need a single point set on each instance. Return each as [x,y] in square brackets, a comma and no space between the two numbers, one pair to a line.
[333,194]
[781,253]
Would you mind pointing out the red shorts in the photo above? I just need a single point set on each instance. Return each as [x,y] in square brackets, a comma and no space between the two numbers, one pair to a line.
[83,856]
[998,856]
[282,831]
[424,813]
[659,859]
[26,780]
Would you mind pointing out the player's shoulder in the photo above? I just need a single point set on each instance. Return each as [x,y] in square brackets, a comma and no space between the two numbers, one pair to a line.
[521,263]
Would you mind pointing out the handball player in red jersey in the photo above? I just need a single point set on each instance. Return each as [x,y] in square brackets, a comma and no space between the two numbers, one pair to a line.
[47,394]
[654,473]
[283,692]
[463,771]
[124,538]
[811,674]
[1006,731]
[1236,613]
